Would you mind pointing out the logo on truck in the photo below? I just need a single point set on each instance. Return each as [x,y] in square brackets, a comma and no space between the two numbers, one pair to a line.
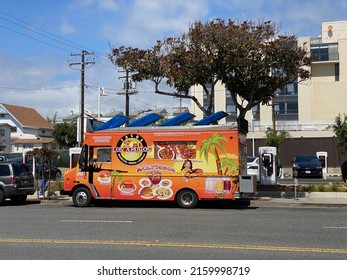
[132,149]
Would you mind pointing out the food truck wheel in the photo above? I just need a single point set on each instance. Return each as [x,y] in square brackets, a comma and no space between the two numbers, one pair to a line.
[81,197]
[187,199]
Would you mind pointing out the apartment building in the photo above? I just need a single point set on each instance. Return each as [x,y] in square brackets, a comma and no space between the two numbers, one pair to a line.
[304,109]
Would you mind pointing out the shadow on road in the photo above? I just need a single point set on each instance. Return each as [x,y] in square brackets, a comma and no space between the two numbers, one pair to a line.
[19,203]
[221,204]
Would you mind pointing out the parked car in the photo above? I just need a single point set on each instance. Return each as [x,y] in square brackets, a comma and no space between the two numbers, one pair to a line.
[307,166]
[344,171]
[16,181]
[55,172]
[3,158]
[253,167]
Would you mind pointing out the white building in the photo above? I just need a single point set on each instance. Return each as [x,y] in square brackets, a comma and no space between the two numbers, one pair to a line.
[28,128]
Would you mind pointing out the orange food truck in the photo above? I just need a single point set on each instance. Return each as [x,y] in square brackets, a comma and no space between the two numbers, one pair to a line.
[182,163]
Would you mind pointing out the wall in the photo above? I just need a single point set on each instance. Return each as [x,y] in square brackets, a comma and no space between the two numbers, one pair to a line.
[296,146]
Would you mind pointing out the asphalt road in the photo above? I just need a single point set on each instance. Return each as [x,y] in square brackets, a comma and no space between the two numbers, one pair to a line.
[162,231]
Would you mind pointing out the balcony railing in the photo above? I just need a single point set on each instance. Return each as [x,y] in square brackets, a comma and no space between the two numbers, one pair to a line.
[290,126]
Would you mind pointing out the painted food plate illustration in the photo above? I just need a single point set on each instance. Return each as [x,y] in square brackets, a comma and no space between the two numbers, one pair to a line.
[146,192]
[104,177]
[162,192]
[166,153]
[165,183]
[127,186]
[186,152]
[145,182]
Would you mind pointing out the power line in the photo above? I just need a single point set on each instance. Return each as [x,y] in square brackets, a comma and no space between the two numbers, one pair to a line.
[36,89]
[50,36]
[35,38]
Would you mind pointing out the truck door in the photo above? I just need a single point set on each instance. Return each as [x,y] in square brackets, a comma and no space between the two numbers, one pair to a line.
[100,166]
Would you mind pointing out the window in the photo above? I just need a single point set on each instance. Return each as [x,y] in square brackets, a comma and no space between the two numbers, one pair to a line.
[84,157]
[103,154]
[4,170]
[337,72]
[324,52]
[206,98]
[287,108]
[20,169]
[2,132]
[231,108]
[289,89]
[28,146]
[319,53]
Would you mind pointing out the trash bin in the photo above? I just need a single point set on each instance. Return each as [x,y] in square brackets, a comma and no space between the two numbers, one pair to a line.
[248,183]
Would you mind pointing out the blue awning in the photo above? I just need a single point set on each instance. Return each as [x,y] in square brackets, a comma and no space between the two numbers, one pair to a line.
[145,120]
[179,119]
[212,118]
[116,121]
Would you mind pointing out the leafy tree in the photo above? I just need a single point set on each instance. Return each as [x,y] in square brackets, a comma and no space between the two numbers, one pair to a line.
[340,130]
[276,138]
[65,134]
[249,58]
[43,154]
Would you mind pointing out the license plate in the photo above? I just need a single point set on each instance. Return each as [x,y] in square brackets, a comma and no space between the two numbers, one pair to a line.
[308,172]
[25,182]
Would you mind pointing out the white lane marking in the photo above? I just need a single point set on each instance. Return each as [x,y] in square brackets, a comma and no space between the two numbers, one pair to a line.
[93,221]
[335,227]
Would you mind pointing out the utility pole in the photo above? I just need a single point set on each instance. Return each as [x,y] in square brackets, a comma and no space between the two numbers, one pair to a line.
[82,63]
[128,89]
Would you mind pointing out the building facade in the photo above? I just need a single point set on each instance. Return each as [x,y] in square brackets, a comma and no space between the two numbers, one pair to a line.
[22,129]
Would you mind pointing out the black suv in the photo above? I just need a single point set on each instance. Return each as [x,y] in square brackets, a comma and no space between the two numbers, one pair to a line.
[307,166]
[344,171]
[16,181]
[55,172]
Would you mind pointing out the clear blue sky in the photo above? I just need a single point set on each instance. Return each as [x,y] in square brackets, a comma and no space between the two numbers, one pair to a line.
[38,36]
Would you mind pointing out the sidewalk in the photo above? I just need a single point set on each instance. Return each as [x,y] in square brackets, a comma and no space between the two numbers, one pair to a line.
[260,199]
[50,199]
[299,202]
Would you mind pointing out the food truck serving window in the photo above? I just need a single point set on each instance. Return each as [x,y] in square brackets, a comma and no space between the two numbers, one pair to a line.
[103,154]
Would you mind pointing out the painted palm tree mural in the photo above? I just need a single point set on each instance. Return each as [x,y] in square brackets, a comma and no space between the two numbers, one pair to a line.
[116,176]
[211,145]
[229,166]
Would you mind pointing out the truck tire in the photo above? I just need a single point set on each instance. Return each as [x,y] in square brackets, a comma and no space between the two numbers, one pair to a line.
[81,197]
[2,197]
[187,199]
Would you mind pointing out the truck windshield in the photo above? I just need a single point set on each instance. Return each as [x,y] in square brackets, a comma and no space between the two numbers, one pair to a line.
[83,158]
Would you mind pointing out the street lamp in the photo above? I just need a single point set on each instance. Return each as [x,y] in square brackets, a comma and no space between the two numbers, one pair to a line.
[253,148]
[101,92]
